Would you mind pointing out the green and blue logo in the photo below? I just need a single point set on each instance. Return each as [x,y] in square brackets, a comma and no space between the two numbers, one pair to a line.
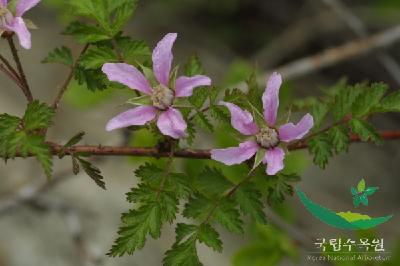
[346,220]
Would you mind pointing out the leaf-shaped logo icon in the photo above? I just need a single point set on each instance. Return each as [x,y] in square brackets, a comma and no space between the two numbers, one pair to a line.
[360,195]
[361,186]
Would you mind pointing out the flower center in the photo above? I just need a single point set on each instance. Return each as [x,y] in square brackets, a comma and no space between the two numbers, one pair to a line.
[162,97]
[267,138]
[5,16]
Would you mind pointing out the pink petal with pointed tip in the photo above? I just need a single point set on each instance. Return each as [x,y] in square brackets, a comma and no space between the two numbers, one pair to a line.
[235,155]
[162,58]
[241,120]
[274,160]
[184,85]
[270,98]
[289,131]
[134,117]
[25,5]
[171,123]
[127,75]
[18,26]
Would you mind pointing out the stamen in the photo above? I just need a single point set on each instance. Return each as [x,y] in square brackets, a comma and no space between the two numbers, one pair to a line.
[162,97]
[267,138]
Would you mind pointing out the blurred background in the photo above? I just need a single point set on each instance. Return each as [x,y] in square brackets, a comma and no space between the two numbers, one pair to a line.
[74,222]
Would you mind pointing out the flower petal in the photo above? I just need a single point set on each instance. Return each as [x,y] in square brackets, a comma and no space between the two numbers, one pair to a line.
[127,75]
[235,155]
[162,58]
[25,5]
[18,26]
[184,85]
[134,117]
[241,120]
[270,98]
[171,123]
[274,160]
[289,131]
[3,2]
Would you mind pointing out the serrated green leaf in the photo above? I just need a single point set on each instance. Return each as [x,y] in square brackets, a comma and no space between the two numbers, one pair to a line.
[193,66]
[84,33]
[220,114]
[199,97]
[202,121]
[74,140]
[361,186]
[122,13]
[93,79]
[60,55]
[96,57]
[93,172]
[390,103]
[212,183]
[228,216]
[133,51]
[95,9]
[368,99]
[210,237]
[344,100]
[36,145]
[75,165]
[365,131]
[184,230]
[321,148]
[150,174]
[137,224]
[37,116]
[198,207]
[319,112]
[249,200]
[179,184]
[340,139]
[183,254]
[279,186]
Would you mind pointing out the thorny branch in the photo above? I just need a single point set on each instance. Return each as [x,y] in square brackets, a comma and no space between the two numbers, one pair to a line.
[183,153]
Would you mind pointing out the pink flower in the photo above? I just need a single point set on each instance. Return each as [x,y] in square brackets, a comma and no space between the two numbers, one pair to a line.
[15,23]
[269,137]
[169,120]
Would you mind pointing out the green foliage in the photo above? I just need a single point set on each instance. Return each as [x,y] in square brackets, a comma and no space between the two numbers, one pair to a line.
[249,200]
[193,66]
[84,33]
[61,55]
[146,220]
[321,147]
[350,107]
[97,56]
[158,195]
[74,140]
[93,172]
[365,131]
[279,186]
[24,136]
[183,254]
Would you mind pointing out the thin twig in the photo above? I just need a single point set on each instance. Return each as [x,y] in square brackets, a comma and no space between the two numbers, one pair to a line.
[64,87]
[358,27]
[9,67]
[11,76]
[26,89]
